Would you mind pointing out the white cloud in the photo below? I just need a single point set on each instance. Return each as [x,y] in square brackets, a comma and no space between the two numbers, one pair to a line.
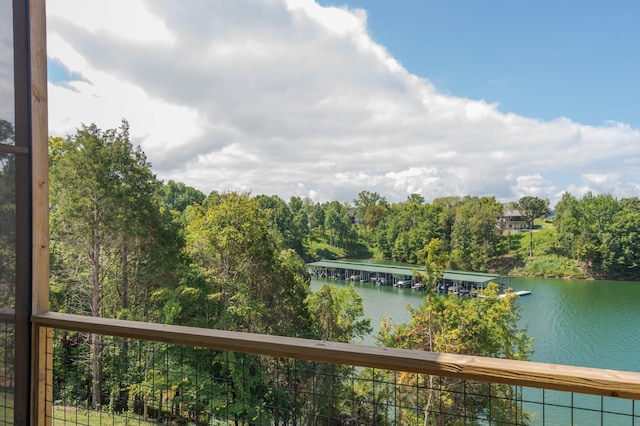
[292,98]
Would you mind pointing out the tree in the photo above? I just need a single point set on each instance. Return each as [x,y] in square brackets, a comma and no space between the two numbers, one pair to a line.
[176,196]
[475,236]
[590,229]
[104,229]
[434,260]
[407,228]
[620,246]
[7,133]
[473,326]
[282,223]
[301,224]
[7,219]
[256,284]
[337,314]
[415,198]
[370,207]
[532,208]
[568,222]
[250,282]
[339,224]
[7,233]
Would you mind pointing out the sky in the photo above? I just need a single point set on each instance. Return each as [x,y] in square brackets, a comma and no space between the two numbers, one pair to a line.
[324,99]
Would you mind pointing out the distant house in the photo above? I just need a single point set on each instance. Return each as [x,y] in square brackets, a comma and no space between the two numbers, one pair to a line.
[354,218]
[511,219]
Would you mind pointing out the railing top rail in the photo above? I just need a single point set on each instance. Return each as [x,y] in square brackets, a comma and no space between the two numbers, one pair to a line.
[7,315]
[621,384]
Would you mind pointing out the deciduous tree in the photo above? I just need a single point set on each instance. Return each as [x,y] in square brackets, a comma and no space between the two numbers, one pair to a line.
[473,326]
[103,228]
[475,237]
[532,208]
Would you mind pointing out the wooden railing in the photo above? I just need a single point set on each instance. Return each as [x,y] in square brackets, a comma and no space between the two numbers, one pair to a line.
[609,383]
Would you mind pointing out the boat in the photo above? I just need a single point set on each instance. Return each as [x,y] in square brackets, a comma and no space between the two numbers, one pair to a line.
[518,293]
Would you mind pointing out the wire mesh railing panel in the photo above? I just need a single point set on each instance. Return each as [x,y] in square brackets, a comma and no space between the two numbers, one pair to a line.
[107,380]
[546,407]
[7,368]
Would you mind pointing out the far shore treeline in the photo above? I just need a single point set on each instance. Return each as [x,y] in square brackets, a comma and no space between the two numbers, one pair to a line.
[595,236]
[125,245]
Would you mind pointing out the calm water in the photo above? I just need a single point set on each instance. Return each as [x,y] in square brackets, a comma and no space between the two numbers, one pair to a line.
[574,322]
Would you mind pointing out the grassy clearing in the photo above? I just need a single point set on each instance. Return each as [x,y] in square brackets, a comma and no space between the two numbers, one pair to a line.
[319,250]
[545,242]
[63,415]
[6,408]
[547,260]
[551,265]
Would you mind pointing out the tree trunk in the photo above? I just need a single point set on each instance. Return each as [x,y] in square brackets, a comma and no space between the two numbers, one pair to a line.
[124,343]
[531,241]
[427,409]
[95,311]
[95,370]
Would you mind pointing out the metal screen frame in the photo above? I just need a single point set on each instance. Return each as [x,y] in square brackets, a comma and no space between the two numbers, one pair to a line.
[22,151]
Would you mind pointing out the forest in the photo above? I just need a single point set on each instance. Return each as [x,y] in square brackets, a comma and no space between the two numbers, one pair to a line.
[126,245]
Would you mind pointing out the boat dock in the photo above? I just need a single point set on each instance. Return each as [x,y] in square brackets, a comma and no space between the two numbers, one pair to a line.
[457,282]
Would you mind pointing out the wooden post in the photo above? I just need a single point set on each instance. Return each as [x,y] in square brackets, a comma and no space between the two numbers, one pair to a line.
[42,337]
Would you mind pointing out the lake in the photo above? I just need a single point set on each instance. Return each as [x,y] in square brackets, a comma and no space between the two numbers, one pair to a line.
[573,322]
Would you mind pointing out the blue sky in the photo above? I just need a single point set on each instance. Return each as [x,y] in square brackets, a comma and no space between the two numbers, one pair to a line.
[542,59]
[324,99]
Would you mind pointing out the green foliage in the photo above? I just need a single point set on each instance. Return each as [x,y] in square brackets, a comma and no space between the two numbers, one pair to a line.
[7,231]
[254,284]
[484,326]
[176,196]
[337,314]
[371,208]
[322,250]
[434,260]
[551,265]
[545,241]
[532,208]
[111,245]
[339,223]
[126,246]
[475,235]
[7,132]
[287,228]
[407,228]
[7,219]
[601,232]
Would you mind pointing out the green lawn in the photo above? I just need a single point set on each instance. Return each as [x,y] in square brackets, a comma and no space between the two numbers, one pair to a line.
[71,415]
[6,408]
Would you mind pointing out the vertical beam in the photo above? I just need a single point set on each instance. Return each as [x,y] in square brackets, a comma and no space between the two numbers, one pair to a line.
[22,89]
[39,157]
[42,338]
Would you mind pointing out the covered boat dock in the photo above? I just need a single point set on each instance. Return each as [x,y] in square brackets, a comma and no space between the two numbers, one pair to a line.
[458,282]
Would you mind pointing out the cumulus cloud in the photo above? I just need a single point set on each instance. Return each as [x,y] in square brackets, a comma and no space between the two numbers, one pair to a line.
[291,98]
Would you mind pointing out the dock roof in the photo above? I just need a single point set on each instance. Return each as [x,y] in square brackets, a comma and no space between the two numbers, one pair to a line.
[474,277]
